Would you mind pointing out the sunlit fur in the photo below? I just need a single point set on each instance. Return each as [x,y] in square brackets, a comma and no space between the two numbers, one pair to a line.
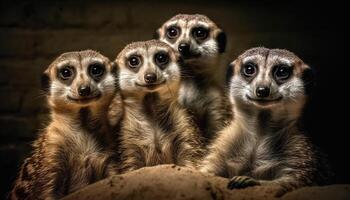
[155,128]
[202,89]
[75,149]
[264,144]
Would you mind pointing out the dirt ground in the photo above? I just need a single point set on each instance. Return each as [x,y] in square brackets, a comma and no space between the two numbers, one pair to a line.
[174,182]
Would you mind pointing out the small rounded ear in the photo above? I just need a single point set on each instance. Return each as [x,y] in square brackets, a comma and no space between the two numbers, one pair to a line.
[156,35]
[308,77]
[221,40]
[115,71]
[114,68]
[45,81]
[230,72]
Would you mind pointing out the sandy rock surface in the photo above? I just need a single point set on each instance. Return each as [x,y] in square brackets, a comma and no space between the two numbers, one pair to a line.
[174,182]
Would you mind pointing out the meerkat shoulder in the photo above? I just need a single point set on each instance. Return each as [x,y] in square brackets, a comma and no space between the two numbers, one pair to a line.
[73,150]
[263,144]
[200,43]
[155,129]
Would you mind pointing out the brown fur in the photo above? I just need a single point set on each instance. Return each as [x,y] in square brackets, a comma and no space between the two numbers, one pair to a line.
[160,133]
[155,128]
[264,144]
[202,88]
[74,150]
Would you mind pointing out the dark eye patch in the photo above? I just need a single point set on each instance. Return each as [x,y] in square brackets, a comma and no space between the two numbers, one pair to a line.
[134,62]
[96,70]
[249,69]
[173,32]
[161,59]
[66,73]
[282,72]
[200,33]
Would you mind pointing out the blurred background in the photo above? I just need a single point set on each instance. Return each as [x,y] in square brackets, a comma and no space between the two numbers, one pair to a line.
[34,32]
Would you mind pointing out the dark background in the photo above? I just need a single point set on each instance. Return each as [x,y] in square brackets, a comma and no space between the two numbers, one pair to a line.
[33,33]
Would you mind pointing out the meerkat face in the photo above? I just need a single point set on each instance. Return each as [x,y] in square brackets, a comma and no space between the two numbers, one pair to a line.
[269,77]
[79,78]
[148,67]
[195,37]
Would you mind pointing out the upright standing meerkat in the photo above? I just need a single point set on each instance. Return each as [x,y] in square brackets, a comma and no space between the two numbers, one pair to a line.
[155,128]
[264,144]
[200,43]
[74,149]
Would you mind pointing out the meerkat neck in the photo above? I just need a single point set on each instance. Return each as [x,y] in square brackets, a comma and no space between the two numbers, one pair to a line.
[166,95]
[155,108]
[91,120]
[209,73]
[83,117]
[262,122]
[148,100]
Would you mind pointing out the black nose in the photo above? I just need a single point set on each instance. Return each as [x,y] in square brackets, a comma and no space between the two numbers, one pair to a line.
[184,49]
[262,91]
[150,77]
[84,90]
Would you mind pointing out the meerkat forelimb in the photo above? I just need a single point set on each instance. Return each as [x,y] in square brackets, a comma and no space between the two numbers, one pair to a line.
[74,150]
[156,128]
[264,144]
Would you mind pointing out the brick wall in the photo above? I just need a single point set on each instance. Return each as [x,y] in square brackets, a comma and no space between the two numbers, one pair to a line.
[33,33]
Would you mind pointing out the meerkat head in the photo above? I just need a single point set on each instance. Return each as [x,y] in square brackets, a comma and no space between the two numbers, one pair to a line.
[148,66]
[79,78]
[269,78]
[195,37]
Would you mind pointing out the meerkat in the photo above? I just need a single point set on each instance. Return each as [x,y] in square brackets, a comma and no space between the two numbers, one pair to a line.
[264,145]
[74,149]
[155,128]
[200,43]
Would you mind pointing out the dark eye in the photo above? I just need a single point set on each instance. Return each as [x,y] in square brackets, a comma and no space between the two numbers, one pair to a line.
[283,72]
[172,32]
[249,69]
[200,33]
[134,61]
[96,70]
[161,58]
[66,73]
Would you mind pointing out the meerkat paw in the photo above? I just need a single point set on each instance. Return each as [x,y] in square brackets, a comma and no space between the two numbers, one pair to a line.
[238,182]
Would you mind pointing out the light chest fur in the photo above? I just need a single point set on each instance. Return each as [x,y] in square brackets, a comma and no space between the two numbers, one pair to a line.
[158,132]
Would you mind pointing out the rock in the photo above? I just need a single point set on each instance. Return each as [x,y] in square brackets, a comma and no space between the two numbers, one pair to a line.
[174,182]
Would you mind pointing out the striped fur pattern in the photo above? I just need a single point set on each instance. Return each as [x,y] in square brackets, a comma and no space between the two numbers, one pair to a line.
[264,144]
[74,150]
[202,87]
[155,128]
